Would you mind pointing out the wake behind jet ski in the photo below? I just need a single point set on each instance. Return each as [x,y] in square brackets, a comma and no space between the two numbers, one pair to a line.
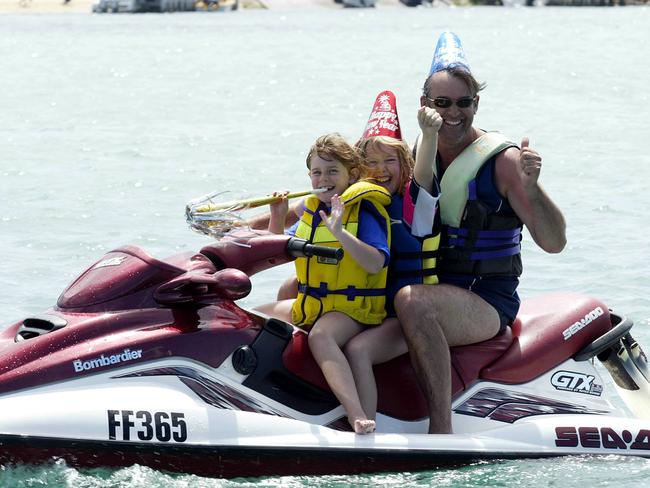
[152,362]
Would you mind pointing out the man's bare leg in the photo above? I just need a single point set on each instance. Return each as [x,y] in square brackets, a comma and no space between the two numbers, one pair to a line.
[434,318]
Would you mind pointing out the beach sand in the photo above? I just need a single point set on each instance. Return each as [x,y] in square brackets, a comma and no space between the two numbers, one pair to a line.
[85,6]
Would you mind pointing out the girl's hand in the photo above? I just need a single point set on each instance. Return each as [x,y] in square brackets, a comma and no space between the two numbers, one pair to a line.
[369,258]
[280,208]
[279,212]
[334,221]
[425,159]
[429,120]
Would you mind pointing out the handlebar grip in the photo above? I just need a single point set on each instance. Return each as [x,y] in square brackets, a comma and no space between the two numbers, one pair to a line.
[324,251]
[301,248]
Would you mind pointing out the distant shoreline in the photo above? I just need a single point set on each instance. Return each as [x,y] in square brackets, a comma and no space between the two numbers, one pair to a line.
[85,6]
[45,6]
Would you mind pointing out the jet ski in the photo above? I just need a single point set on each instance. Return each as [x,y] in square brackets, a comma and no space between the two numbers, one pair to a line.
[152,362]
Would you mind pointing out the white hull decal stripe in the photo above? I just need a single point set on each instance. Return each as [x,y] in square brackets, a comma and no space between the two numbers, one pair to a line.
[212,392]
[509,406]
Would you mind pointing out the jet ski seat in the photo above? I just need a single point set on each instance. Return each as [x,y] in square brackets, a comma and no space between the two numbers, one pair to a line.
[396,379]
[548,330]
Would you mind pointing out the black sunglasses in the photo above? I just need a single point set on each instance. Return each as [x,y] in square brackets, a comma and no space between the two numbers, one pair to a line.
[445,102]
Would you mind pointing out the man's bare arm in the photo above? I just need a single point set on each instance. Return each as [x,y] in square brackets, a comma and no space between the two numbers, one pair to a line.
[517,178]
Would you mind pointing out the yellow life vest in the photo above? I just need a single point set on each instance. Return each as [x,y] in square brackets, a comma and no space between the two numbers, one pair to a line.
[325,285]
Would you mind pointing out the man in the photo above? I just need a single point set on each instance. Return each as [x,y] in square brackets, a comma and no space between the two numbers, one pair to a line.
[489,188]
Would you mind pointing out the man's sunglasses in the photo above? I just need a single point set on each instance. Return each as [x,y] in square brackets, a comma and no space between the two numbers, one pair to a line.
[445,102]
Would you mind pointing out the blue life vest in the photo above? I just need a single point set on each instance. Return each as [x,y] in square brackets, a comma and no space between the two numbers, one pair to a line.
[413,260]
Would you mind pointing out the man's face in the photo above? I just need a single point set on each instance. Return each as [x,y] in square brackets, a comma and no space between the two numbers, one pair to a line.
[452,99]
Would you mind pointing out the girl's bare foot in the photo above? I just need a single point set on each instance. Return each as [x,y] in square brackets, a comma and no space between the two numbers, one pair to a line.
[364,426]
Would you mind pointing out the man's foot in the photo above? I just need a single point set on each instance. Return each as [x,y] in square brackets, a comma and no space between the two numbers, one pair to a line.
[364,426]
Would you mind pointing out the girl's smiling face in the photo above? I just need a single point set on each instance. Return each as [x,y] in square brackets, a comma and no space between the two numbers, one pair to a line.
[329,175]
[383,167]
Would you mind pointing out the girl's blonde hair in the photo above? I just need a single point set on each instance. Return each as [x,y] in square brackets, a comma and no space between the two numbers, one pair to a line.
[334,147]
[406,162]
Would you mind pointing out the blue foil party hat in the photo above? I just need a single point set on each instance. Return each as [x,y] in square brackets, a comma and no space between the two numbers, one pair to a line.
[449,54]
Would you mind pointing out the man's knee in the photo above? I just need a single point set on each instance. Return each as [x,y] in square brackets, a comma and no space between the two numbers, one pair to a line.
[414,300]
[403,299]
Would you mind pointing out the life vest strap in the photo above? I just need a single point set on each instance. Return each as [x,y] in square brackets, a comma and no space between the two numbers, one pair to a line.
[499,253]
[486,234]
[460,241]
[351,291]
[484,244]
[408,273]
[415,254]
[309,211]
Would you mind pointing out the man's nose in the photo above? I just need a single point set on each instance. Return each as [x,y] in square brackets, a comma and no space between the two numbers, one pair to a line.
[453,111]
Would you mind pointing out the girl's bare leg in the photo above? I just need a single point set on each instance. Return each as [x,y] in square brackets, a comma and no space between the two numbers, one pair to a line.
[326,339]
[279,310]
[375,345]
[288,289]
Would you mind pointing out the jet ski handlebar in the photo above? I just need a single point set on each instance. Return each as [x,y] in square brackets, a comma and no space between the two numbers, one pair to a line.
[252,253]
[299,248]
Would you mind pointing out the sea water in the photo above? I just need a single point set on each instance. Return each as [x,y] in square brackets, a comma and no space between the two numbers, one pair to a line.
[111,123]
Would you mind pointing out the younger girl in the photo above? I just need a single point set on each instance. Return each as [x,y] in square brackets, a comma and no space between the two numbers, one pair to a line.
[337,300]
[415,230]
